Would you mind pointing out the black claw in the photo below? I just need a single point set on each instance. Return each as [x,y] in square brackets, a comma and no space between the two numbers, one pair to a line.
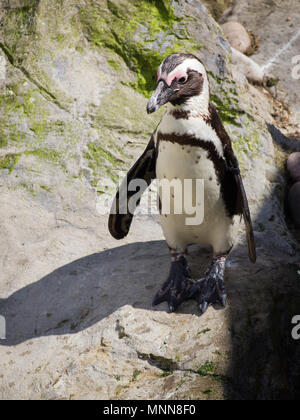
[223,300]
[203,307]
[171,308]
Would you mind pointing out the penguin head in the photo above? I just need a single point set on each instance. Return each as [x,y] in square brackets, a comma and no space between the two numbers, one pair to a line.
[182,81]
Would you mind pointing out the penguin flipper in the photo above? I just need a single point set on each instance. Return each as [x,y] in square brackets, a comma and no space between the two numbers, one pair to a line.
[285,143]
[233,167]
[121,216]
[242,199]
[247,221]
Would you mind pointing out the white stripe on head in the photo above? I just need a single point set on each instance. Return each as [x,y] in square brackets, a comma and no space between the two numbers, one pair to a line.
[181,70]
[159,73]
[195,104]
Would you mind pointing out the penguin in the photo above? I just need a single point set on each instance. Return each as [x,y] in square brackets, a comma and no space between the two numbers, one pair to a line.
[189,143]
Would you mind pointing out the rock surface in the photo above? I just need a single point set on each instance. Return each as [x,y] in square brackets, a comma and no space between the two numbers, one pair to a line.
[237,36]
[79,323]
[247,67]
[276,25]
[218,7]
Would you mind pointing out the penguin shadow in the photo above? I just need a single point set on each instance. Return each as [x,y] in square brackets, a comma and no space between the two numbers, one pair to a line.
[264,361]
[82,293]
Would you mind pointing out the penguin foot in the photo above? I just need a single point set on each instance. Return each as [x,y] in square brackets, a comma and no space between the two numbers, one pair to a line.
[177,287]
[211,289]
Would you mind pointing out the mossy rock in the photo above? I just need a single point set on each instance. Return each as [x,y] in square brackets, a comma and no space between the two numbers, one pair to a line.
[115,47]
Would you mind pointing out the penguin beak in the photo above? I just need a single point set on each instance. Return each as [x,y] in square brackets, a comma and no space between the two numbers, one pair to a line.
[160,97]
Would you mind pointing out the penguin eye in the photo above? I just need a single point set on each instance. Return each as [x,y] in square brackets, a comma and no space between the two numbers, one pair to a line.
[182,80]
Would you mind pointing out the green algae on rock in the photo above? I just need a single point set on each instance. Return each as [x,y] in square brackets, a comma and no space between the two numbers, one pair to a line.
[141,33]
[9,162]
[118,43]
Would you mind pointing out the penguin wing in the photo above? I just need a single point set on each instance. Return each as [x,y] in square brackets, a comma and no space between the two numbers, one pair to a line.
[121,215]
[242,203]
[285,143]
[233,167]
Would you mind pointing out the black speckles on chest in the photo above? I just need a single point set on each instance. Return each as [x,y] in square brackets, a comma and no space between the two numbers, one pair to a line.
[224,178]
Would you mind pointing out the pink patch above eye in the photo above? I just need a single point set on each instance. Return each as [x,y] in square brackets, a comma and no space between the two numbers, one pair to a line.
[178,75]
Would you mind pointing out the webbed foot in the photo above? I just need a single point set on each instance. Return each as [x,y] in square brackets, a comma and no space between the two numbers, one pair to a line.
[177,287]
[211,289]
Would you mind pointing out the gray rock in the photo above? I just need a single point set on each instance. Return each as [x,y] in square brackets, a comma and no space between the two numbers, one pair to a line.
[293,166]
[248,67]
[278,49]
[237,36]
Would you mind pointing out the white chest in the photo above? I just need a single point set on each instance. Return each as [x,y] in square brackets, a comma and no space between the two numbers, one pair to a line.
[181,160]
[178,160]
[184,162]
[194,126]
